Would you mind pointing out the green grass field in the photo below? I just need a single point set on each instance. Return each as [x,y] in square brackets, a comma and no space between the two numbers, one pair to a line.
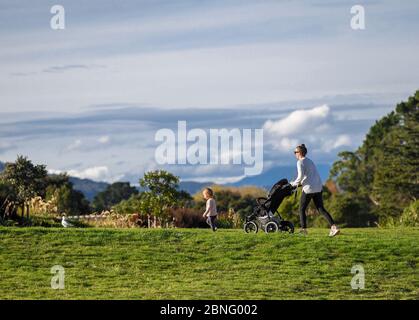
[199,264]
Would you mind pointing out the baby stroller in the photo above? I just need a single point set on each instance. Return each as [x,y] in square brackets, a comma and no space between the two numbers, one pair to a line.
[263,214]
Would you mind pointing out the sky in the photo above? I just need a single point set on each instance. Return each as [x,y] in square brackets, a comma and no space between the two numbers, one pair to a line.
[89,99]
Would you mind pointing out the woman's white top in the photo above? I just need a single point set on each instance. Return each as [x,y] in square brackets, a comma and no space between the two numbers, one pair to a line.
[308,176]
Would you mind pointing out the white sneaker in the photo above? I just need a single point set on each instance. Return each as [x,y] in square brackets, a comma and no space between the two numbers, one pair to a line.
[333,231]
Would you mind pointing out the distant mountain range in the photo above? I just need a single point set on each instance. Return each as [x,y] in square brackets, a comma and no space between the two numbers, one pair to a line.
[265,180]
[271,176]
[193,187]
[89,187]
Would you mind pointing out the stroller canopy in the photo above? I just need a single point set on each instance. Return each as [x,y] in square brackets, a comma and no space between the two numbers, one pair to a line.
[277,194]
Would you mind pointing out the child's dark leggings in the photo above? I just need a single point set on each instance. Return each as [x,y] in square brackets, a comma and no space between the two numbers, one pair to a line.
[211,222]
[318,202]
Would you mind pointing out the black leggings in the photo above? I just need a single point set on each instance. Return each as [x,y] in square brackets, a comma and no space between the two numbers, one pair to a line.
[318,202]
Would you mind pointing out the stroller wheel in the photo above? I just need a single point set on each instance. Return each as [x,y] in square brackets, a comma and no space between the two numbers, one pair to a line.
[250,227]
[286,226]
[271,227]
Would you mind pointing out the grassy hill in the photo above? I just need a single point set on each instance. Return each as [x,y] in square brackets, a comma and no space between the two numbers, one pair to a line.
[199,264]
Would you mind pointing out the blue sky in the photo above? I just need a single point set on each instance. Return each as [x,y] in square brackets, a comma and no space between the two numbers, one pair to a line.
[88,99]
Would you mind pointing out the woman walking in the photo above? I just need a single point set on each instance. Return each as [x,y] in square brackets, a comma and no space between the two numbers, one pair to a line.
[309,178]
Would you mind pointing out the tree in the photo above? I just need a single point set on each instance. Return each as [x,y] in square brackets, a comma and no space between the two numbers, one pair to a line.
[240,200]
[244,207]
[396,178]
[349,174]
[349,210]
[410,215]
[113,195]
[129,206]
[26,179]
[7,200]
[67,199]
[381,176]
[57,180]
[59,190]
[184,199]
[160,193]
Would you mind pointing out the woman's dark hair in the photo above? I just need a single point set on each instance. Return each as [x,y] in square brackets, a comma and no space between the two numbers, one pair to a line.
[302,149]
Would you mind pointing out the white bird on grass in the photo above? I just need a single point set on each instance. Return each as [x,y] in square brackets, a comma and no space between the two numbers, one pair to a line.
[65,223]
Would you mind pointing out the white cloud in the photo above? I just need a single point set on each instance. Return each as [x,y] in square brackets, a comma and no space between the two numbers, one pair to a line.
[74,145]
[301,126]
[5,145]
[94,173]
[97,173]
[299,121]
[54,171]
[104,139]
[342,140]
[88,144]
[287,143]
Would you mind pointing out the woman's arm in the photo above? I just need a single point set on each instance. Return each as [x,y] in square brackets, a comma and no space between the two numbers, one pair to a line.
[297,181]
